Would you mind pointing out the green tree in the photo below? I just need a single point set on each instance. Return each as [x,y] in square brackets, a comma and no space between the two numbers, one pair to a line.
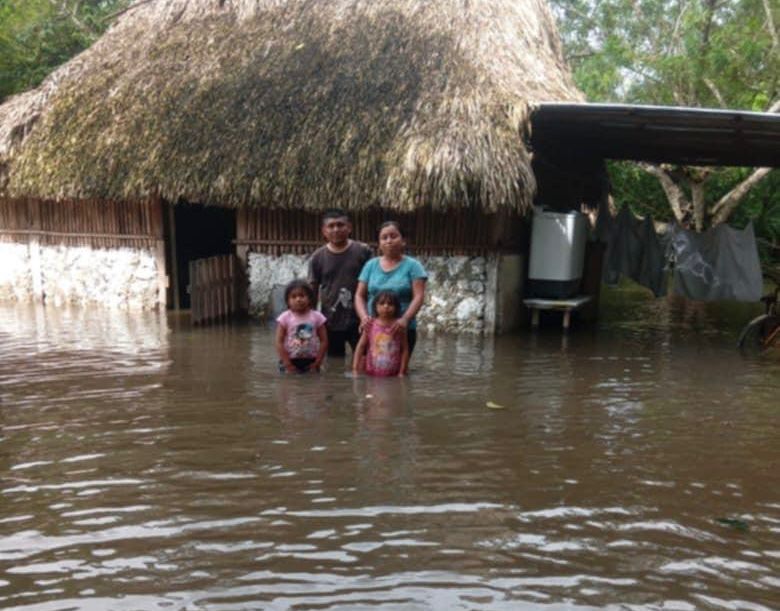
[702,53]
[36,36]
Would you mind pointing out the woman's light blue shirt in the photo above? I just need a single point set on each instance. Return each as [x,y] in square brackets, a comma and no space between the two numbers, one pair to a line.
[399,280]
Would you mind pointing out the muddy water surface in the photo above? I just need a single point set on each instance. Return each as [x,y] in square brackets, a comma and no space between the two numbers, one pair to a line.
[148,465]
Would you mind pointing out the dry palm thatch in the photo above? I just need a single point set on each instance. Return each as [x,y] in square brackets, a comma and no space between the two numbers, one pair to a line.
[398,103]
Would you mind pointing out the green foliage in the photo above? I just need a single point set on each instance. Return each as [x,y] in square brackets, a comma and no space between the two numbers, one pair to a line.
[702,53]
[633,187]
[36,36]
[762,206]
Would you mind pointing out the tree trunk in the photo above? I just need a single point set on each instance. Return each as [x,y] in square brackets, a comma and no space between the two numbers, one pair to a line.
[674,194]
[699,206]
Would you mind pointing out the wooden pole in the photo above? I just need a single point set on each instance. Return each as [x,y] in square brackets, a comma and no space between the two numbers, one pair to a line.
[172,256]
[243,224]
[159,251]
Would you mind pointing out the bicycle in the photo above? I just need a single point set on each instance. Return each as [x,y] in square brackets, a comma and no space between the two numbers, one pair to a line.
[763,331]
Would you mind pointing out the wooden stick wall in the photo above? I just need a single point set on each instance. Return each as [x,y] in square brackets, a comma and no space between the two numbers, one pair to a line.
[109,224]
[96,223]
[427,232]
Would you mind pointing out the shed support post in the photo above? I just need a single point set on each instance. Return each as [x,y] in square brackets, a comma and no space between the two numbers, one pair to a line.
[242,253]
[172,258]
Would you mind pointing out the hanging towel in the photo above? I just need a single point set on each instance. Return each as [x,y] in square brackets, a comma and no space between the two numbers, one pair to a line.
[721,263]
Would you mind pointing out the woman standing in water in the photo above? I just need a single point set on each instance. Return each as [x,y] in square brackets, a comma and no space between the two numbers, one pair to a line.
[394,271]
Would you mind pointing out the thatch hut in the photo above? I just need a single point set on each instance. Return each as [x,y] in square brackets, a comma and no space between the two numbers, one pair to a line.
[233,123]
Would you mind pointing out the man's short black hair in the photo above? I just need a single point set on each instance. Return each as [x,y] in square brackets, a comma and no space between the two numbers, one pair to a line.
[334,213]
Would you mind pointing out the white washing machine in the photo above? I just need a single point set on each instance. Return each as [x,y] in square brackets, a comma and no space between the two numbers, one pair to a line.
[557,253]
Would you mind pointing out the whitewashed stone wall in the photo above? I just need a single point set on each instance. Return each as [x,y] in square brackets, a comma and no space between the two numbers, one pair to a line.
[456,295]
[16,281]
[459,296]
[114,277]
[269,271]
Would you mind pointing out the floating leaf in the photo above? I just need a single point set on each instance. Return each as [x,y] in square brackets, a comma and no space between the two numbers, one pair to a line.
[492,405]
[734,523]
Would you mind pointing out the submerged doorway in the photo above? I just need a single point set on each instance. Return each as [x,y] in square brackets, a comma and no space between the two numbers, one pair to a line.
[195,232]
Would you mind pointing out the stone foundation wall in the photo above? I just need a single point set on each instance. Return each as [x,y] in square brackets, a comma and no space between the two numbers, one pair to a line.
[268,271]
[456,296]
[114,277]
[460,295]
[16,282]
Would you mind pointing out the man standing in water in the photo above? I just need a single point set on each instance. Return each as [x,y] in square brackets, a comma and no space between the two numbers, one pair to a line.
[333,274]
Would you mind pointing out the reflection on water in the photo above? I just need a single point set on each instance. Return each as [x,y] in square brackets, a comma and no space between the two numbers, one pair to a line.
[148,465]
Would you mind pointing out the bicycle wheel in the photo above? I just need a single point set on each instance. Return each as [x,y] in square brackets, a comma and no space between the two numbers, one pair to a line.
[772,333]
[759,333]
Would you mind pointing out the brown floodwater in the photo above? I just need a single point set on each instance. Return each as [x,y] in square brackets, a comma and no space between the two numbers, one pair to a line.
[145,464]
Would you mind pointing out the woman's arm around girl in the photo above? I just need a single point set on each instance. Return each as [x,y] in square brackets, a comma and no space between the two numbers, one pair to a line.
[358,358]
[404,353]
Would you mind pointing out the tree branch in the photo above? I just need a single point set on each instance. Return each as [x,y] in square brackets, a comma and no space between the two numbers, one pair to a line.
[71,12]
[674,194]
[642,73]
[712,6]
[130,7]
[576,56]
[770,24]
[675,35]
[715,91]
[726,204]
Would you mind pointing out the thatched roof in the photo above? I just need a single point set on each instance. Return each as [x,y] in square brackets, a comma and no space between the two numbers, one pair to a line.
[310,103]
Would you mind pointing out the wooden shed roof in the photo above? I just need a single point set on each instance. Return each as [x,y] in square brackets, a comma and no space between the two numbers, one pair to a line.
[690,136]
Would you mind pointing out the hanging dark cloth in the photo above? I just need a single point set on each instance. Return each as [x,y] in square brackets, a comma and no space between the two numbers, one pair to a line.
[721,263]
[633,250]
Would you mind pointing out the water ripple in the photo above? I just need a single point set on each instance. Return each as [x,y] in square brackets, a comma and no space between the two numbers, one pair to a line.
[146,464]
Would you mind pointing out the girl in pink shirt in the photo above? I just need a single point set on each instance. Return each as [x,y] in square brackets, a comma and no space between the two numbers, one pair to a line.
[383,349]
[301,340]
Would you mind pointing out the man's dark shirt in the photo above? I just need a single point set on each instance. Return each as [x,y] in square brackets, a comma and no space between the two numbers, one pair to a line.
[336,275]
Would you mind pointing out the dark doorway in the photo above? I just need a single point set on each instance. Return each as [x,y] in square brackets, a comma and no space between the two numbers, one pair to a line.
[197,232]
